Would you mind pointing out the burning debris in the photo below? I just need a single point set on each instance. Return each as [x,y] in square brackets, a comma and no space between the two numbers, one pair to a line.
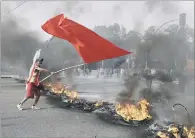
[61,90]
[131,114]
[126,114]
[71,99]
[132,106]
[171,130]
[84,105]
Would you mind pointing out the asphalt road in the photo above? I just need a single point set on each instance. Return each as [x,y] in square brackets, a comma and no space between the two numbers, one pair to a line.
[93,88]
[50,121]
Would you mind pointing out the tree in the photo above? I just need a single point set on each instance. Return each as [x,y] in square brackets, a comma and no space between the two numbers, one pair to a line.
[119,36]
[131,40]
[114,33]
[168,47]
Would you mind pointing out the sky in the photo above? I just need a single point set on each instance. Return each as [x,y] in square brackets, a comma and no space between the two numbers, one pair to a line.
[133,15]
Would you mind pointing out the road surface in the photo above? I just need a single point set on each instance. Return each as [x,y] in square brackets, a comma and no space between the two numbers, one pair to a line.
[50,121]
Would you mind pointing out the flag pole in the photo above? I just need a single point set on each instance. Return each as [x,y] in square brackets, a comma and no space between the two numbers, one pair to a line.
[48,41]
[61,71]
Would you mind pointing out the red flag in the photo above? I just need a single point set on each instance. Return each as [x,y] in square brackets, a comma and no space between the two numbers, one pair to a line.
[90,46]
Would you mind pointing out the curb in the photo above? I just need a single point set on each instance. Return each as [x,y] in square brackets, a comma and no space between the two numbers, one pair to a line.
[6,77]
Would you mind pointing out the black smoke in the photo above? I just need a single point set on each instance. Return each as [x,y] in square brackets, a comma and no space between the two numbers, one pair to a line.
[131,83]
[119,62]
[18,47]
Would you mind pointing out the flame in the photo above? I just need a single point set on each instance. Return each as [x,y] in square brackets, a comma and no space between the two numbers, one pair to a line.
[59,88]
[174,130]
[134,112]
[162,134]
[189,133]
[99,103]
[128,112]
[71,94]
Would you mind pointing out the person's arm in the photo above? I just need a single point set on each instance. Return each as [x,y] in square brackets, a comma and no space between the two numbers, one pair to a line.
[41,69]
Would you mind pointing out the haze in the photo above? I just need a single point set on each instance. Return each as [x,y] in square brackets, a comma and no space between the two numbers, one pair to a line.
[133,15]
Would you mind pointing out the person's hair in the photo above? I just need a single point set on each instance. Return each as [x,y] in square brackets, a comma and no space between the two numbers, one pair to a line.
[41,61]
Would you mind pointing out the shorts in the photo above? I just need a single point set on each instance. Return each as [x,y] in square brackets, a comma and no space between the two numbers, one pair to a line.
[32,90]
[40,87]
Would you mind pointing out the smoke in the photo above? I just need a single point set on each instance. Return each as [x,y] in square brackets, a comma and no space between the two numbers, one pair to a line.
[151,9]
[152,5]
[18,47]
[167,7]
[119,62]
[163,98]
[74,9]
[131,92]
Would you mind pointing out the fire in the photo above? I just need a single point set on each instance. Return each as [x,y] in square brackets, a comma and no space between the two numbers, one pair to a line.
[71,94]
[191,133]
[99,103]
[59,88]
[174,130]
[162,134]
[137,112]
[128,112]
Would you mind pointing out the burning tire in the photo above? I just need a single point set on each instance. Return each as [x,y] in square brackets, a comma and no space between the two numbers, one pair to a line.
[109,115]
[135,114]
[82,104]
[115,119]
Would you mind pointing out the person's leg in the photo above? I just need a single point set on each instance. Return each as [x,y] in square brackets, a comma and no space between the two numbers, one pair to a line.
[22,102]
[41,89]
[37,97]
[36,100]
[28,95]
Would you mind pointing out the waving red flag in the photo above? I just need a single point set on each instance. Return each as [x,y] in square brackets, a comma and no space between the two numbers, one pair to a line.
[90,46]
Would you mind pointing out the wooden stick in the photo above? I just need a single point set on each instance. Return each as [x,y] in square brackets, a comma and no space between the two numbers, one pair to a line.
[61,71]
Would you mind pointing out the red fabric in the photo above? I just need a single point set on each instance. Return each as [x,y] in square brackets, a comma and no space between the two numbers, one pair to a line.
[32,90]
[89,45]
[31,87]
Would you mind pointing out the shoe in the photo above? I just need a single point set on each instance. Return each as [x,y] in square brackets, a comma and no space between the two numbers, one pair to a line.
[20,107]
[35,108]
